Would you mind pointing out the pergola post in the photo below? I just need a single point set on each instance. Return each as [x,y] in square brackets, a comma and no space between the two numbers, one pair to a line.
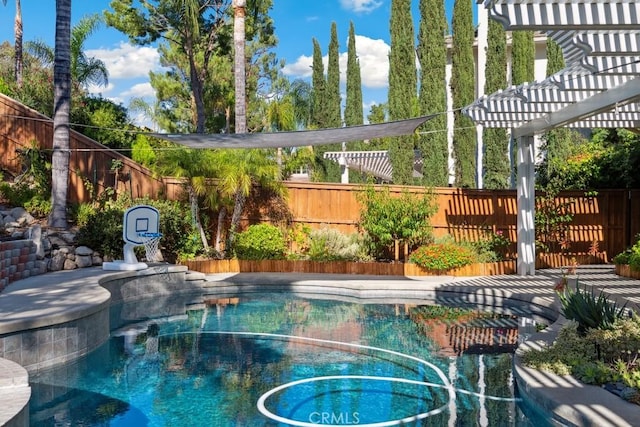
[526,262]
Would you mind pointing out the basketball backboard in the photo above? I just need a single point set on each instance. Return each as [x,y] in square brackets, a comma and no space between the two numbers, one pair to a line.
[137,220]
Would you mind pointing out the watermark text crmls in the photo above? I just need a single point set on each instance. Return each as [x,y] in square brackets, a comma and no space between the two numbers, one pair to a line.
[334,418]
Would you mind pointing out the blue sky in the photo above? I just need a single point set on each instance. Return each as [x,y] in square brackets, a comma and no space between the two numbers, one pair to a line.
[297,23]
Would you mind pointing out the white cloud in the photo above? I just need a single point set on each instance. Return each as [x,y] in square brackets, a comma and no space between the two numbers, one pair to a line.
[128,61]
[140,90]
[99,90]
[360,6]
[373,55]
[300,68]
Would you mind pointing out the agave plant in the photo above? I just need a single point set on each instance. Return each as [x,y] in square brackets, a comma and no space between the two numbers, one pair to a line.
[591,311]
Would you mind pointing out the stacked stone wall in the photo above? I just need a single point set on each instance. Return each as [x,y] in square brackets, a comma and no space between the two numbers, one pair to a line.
[19,260]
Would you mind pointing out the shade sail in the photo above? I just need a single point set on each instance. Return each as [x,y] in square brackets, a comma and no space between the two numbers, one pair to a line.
[298,138]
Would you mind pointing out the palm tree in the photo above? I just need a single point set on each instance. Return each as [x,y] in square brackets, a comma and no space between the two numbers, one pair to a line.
[18,61]
[196,167]
[85,71]
[242,169]
[138,105]
[239,65]
[61,109]
[281,117]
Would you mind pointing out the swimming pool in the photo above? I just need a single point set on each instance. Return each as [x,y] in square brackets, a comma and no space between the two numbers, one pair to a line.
[276,359]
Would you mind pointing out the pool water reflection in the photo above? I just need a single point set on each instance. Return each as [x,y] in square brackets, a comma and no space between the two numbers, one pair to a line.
[265,360]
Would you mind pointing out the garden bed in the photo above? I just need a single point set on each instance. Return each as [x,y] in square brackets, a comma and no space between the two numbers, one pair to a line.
[211,266]
[625,270]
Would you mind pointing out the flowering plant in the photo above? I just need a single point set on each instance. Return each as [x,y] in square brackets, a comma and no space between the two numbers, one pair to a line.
[442,256]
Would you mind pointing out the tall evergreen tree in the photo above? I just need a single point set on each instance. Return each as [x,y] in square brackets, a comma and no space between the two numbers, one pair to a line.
[333,80]
[495,169]
[523,56]
[555,59]
[522,71]
[318,83]
[558,144]
[402,88]
[463,93]
[353,113]
[432,53]
[328,109]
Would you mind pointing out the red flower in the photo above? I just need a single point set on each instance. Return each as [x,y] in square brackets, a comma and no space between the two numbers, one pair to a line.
[561,285]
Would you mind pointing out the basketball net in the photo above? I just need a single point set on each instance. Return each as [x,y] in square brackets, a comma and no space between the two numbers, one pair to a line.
[151,245]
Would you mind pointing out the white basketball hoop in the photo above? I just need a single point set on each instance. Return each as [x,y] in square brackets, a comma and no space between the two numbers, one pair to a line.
[151,241]
[140,227]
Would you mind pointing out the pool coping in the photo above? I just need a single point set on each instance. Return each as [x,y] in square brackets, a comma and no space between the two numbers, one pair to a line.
[591,406]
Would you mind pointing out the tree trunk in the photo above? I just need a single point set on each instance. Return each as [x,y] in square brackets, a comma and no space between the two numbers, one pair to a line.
[198,95]
[239,65]
[61,109]
[193,199]
[238,207]
[18,44]
[221,215]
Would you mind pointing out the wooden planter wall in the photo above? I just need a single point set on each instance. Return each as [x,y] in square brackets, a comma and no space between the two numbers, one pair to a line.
[211,266]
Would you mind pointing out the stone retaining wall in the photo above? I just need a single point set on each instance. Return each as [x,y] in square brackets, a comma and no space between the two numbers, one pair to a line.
[19,260]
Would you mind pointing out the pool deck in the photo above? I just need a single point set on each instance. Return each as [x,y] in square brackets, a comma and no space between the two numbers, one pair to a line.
[44,299]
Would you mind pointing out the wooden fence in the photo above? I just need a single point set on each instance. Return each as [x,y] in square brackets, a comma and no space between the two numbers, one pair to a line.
[606,222]
[611,219]
[89,161]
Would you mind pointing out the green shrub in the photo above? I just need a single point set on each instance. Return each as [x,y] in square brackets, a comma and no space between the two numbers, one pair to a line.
[630,256]
[260,241]
[622,258]
[103,232]
[589,310]
[598,356]
[634,261]
[327,244]
[492,246]
[102,229]
[180,237]
[38,206]
[82,213]
[17,194]
[443,256]
[404,218]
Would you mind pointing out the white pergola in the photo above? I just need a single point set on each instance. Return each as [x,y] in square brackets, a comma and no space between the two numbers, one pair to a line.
[376,163]
[600,41]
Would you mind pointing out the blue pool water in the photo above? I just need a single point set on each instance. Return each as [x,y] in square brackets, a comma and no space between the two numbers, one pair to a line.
[270,360]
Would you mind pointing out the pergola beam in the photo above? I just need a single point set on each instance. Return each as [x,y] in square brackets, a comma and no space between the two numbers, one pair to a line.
[604,101]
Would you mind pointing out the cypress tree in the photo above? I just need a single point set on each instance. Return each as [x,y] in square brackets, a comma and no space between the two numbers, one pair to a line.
[496,141]
[432,53]
[402,88]
[353,113]
[555,59]
[558,144]
[331,170]
[523,56]
[318,83]
[463,94]
[333,80]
